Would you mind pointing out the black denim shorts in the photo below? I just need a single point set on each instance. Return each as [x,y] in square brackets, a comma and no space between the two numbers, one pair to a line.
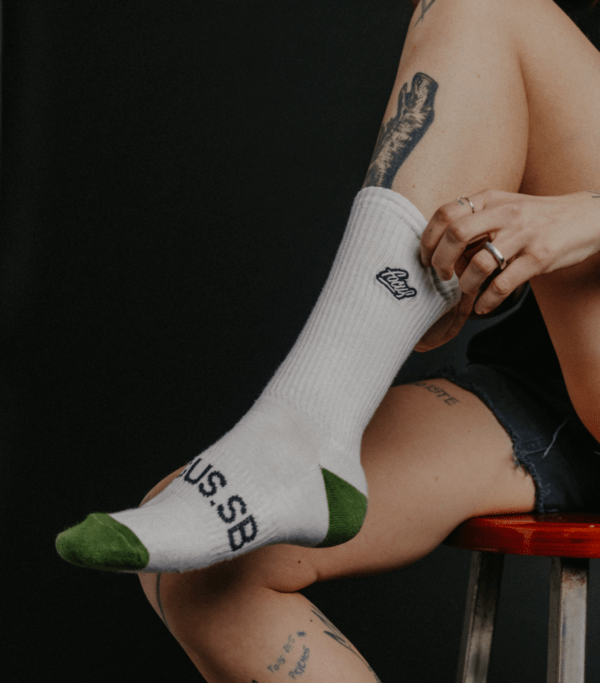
[549,439]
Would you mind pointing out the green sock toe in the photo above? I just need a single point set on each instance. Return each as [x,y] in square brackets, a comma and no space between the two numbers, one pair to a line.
[100,542]
[347,509]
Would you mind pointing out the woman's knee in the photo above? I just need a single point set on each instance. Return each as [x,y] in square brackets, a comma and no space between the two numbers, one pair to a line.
[454,14]
[177,598]
[282,568]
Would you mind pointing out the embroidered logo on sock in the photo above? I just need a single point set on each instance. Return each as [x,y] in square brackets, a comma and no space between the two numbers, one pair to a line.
[395,279]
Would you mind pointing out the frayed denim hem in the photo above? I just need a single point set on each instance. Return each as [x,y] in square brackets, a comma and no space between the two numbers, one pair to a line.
[523,449]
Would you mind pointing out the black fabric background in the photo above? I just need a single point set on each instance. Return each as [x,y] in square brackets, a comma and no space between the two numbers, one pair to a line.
[175,179]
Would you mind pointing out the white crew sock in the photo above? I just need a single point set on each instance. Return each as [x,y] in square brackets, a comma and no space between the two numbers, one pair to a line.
[289,471]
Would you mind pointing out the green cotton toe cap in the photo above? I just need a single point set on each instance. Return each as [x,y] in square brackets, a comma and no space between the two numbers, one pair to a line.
[100,542]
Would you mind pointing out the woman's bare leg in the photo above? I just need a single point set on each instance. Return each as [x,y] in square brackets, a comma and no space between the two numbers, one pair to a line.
[429,464]
[563,156]
[479,133]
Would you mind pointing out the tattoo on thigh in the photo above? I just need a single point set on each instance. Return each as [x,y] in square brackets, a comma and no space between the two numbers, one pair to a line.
[425,6]
[595,194]
[334,633]
[401,134]
[438,391]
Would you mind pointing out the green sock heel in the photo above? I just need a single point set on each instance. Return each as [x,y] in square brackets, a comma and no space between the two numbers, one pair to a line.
[347,510]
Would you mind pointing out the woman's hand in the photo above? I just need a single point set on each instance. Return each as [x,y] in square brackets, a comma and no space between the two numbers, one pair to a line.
[535,235]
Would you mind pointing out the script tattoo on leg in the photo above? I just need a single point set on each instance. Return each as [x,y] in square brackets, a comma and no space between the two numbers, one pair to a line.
[595,194]
[287,647]
[401,134]
[438,391]
[334,633]
[425,6]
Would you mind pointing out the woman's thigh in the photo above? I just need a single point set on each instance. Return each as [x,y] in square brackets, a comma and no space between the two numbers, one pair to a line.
[561,75]
[516,103]
[433,456]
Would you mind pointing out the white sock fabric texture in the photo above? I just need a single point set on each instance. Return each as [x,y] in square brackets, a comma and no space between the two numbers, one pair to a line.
[263,482]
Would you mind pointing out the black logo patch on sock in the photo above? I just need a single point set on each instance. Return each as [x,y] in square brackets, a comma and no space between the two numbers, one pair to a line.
[395,279]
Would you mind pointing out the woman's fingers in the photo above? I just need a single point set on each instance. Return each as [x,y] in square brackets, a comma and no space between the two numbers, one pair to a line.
[436,333]
[448,326]
[465,308]
[445,216]
[483,274]
[454,227]
[467,236]
[521,270]
[481,266]
[534,235]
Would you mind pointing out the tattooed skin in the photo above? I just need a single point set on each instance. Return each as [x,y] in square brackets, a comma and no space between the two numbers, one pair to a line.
[400,135]
[339,638]
[438,391]
[595,194]
[425,6]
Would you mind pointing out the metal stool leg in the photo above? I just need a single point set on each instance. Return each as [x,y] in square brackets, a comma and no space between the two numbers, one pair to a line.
[480,615]
[568,606]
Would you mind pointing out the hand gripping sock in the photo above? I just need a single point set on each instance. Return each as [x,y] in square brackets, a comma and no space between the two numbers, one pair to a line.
[289,471]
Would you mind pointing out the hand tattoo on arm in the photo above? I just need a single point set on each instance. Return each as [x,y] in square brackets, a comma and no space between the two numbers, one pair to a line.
[400,135]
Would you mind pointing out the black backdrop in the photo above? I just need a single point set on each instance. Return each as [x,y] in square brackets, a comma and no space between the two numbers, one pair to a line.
[176,177]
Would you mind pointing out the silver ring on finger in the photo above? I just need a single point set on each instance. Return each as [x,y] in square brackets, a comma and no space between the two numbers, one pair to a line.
[496,254]
[470,202]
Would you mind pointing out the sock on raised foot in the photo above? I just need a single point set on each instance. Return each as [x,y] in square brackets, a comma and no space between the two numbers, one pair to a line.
[289,471]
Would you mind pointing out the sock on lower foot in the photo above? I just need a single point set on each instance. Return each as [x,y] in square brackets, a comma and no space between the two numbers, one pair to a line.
[289,471]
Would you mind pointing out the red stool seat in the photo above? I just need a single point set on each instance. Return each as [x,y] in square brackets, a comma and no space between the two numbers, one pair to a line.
[570,539]
[562,534]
